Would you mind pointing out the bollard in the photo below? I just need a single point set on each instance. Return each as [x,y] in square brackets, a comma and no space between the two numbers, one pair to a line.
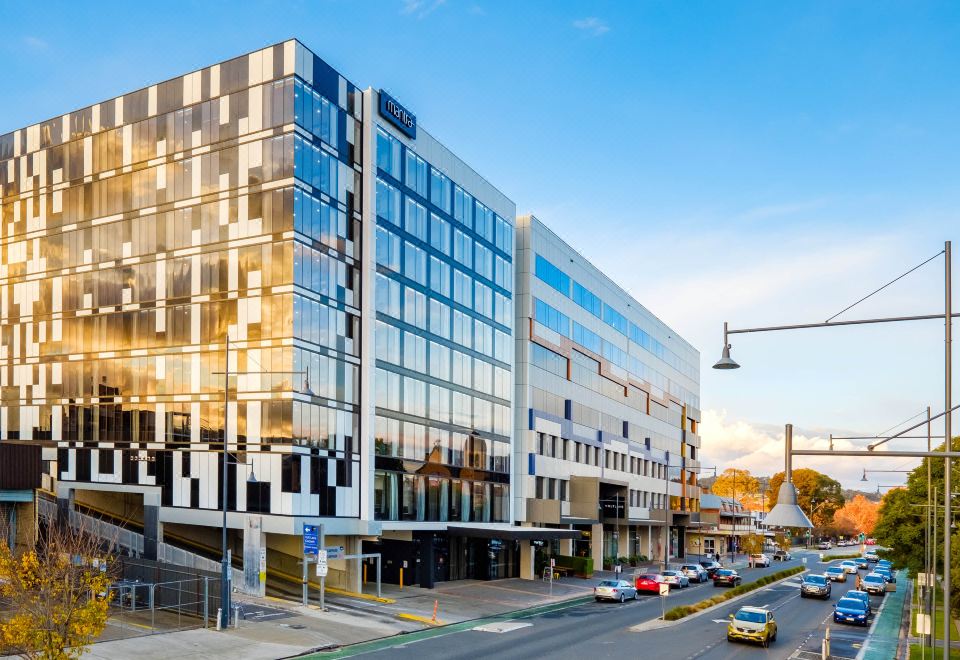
[435,603]
[364,572]
[825,647]
[219,618]
[401,579]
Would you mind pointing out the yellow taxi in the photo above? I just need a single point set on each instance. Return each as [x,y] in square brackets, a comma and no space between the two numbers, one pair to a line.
[752,624]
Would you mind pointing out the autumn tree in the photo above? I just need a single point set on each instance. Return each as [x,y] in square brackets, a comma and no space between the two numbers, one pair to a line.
[857,515]
[816,492]
[56,595]
[752,544]
[739,485]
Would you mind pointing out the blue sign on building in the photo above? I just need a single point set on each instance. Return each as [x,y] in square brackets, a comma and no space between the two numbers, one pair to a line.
[397,115]
[310,540]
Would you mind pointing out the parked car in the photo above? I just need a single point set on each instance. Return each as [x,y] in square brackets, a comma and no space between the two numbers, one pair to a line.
[862,562]
[782,555]
[849,566]
[695,573]
[760,560]
[815,585]
[836,574]
[850,610]
[752,624]
[874,583]
[862,595]
[885,563]
[676,579]
[614,590]
[871,556]
[871,541]
[824,545]
[711,567]
[886,573]
[648,583]
[726,577]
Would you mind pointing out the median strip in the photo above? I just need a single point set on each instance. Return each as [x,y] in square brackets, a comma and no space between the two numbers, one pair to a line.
[675,614]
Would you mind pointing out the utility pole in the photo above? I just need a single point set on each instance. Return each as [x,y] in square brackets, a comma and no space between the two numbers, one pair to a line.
[948,446]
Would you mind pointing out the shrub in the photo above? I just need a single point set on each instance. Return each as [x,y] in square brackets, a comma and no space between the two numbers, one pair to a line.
[581,566]
[686,610]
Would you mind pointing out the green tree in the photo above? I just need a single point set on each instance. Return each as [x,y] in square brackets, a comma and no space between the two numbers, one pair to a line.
[815,492]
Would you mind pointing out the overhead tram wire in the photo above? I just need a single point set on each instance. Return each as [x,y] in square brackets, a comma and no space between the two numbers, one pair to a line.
[872,293]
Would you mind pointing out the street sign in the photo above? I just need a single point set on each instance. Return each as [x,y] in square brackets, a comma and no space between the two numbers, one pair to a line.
[321,569]
[664,588]
[334,552]
[310,540]
[553,562]
[323,555]
[923,624]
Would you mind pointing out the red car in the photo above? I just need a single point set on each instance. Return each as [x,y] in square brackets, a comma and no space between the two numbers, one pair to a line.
[649,583]
[871,541]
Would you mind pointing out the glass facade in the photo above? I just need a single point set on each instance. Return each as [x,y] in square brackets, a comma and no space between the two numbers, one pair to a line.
[139,233]
[444,353]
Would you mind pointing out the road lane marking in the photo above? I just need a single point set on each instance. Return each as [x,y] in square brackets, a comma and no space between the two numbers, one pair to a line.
[503,627]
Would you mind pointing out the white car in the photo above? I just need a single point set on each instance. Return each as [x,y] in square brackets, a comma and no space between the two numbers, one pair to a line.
[760,560]
[849,566]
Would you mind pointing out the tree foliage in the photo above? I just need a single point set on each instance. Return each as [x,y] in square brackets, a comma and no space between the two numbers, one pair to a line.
[815,492]
[56,595]
[752,544]
[739,485]
[857,515]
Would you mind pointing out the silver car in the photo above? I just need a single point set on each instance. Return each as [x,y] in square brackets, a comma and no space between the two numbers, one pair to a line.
[619,590]
[675,579]
[695,573]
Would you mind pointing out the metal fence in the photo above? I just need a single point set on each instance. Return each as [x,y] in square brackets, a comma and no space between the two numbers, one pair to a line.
[152,597]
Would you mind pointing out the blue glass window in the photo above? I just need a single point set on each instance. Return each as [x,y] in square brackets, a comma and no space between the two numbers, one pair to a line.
[416,220]
[552,275]
[440,190]
[388,202]
[615,319]
[462,207]
[388,153]
[417,171]
[440,234]
[583,297]
[551,318]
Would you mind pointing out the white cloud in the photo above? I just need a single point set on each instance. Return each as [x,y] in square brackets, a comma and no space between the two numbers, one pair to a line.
[421,8]
[592,25]
[759,448]
[36,43]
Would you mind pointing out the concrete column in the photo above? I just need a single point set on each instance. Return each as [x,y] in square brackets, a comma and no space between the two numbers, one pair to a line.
[526,561]
[566,547]
[353,546]
[596,546]
[254,547]
[65,498]
[151,531]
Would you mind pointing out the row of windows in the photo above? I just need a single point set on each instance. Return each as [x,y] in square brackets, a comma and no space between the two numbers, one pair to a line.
[320,324]
[437,232]
[317,167]
[622,363]
[315,113]
[415,397]
[411,306]
[323,222]
[417,497]
[409,440]
[440,361]
[559,280]
[410,260]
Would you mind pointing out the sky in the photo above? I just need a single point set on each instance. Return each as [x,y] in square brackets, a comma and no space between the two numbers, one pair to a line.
[752,162]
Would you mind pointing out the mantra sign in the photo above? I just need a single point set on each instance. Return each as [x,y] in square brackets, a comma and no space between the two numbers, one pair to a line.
[397,115]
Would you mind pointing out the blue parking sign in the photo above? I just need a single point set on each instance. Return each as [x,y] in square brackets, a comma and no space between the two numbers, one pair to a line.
[310,540]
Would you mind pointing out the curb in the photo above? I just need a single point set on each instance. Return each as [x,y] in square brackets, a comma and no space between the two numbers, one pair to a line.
[420,619]
[656,624]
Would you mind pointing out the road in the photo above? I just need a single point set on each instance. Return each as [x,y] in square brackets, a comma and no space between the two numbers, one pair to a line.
[602,630]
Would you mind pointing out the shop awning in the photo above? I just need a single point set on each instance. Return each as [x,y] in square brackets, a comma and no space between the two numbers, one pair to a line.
[511,532]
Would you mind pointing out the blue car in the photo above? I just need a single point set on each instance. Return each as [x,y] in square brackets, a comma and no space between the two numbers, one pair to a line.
[887,574]
[861,595]
[850,610]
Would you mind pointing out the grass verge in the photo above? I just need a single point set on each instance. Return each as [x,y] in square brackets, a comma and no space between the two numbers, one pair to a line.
[916,653]
[686,610]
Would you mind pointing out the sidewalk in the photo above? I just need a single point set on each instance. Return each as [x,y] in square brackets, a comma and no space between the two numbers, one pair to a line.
[884,636]
[275,628]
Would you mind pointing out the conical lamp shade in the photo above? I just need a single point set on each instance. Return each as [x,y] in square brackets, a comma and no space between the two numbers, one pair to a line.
[787,513]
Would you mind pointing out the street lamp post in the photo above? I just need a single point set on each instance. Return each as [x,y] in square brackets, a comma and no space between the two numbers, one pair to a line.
[727,362]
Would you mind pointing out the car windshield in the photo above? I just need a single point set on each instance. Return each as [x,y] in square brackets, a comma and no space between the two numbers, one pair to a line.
[670,573]
[834,569]
[647,577]
[752,617]
[724,572]
[608,583]
[850,604]
[873,578]
[816,579]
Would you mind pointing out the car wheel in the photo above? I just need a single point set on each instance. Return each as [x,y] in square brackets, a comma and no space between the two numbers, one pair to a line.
[623,598]
[597,599]
[774,638]
[803,595]
[766,642]
[636,595]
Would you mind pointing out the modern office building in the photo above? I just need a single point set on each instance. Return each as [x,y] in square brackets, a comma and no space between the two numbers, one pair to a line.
[362,273]
[607,408]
